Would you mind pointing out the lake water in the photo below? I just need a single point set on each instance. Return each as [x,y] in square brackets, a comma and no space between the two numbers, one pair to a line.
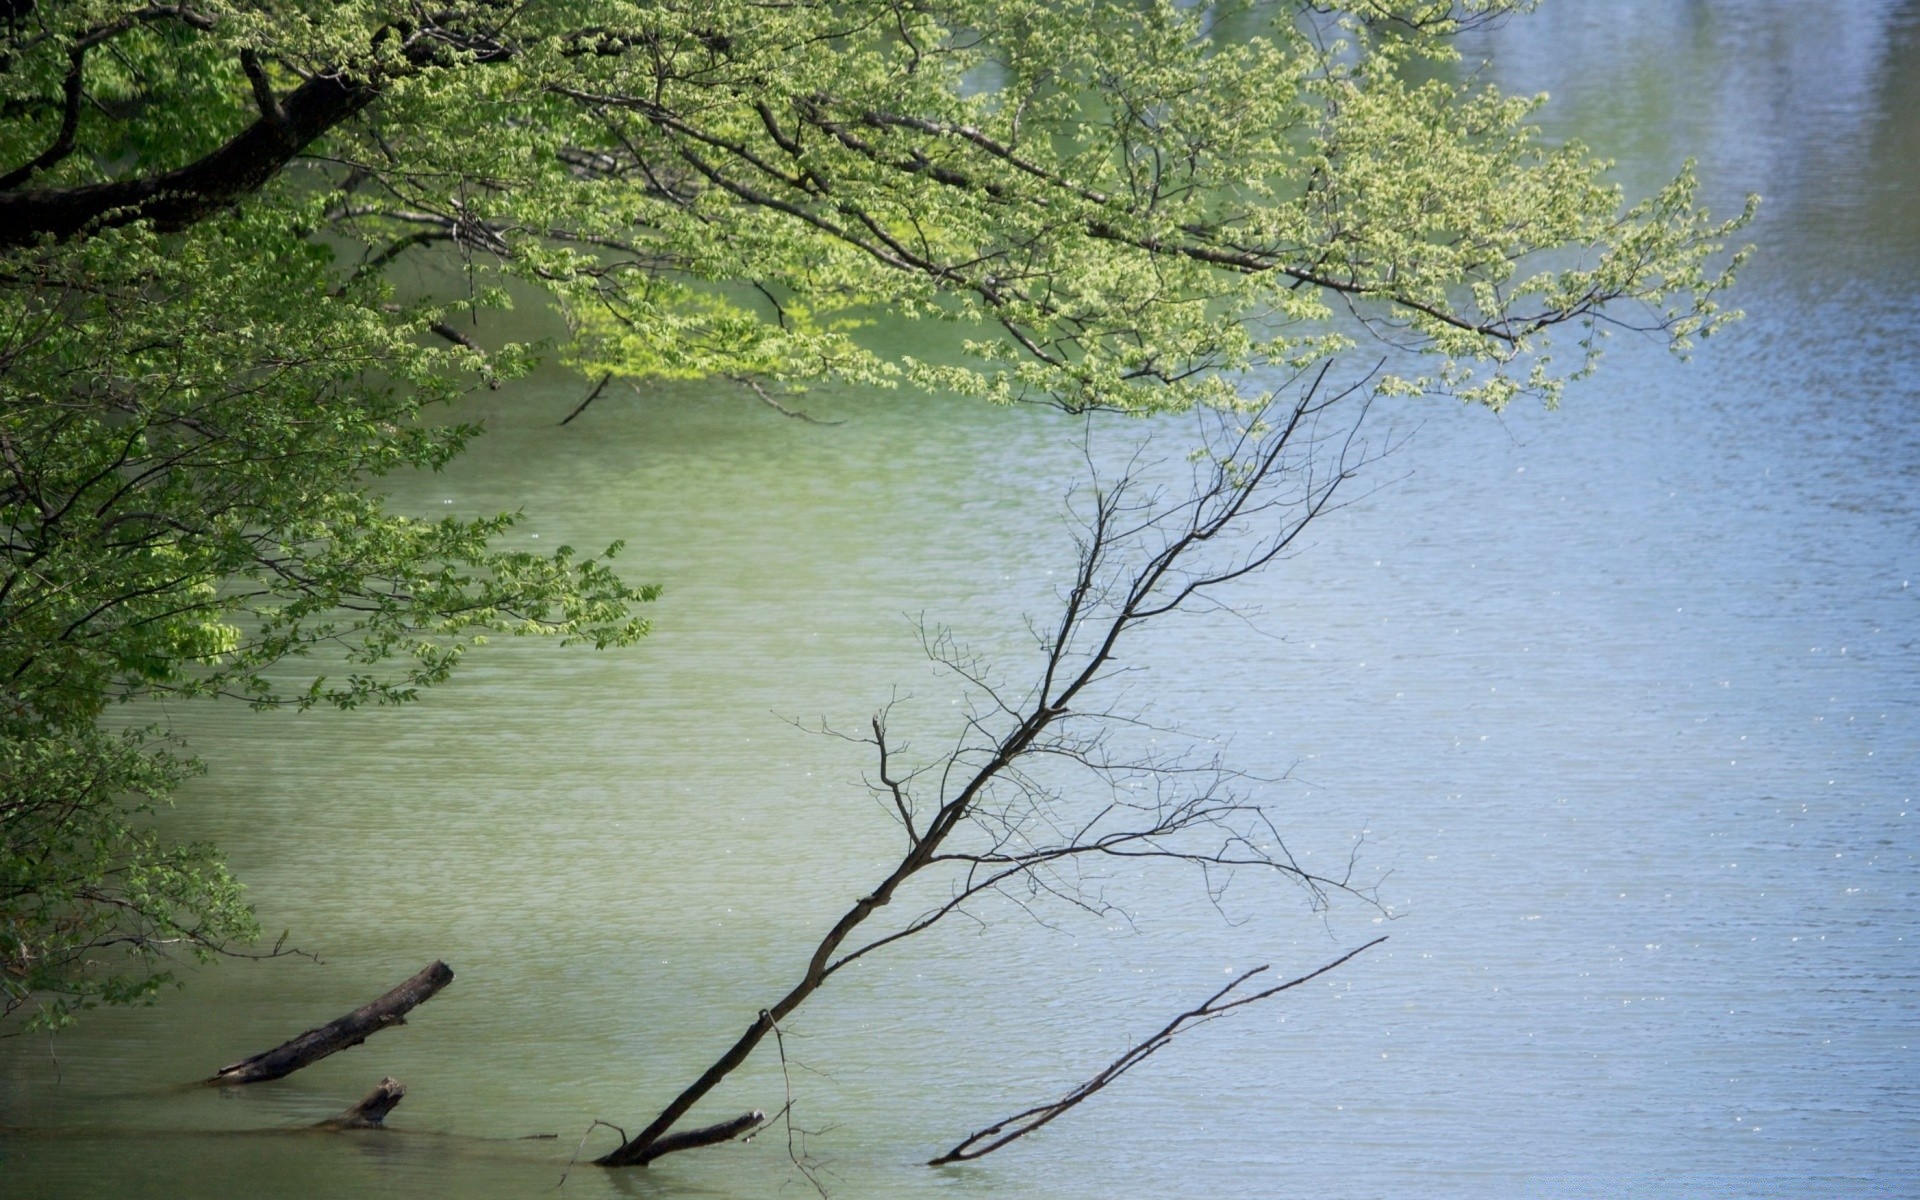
[1625,699]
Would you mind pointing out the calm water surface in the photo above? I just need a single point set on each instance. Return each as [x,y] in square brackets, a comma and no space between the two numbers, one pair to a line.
[1623,699]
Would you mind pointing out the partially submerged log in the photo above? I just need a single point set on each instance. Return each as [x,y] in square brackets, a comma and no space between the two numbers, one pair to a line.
[632,1155]
[372,1110]
[350,1030]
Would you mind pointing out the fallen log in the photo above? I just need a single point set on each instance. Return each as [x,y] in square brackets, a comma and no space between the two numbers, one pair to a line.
[372,1110]
[350,1030]
[629,1155]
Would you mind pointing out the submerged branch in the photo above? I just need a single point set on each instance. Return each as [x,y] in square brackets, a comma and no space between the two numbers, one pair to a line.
[372,1110]
[986,1141]
[687,1139]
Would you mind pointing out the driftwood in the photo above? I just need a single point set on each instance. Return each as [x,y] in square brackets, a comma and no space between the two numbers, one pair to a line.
[628,1155]
[372,1110]
[350,1030]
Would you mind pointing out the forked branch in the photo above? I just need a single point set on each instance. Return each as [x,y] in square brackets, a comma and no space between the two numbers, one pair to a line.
[1040,782]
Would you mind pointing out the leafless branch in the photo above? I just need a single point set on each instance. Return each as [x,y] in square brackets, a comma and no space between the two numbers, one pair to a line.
[591,397]
[796,1154]
[767,398]
[1038,785]
[986,1141]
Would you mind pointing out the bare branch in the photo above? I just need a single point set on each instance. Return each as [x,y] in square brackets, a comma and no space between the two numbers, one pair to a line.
[1034,788]
[986,1141]
[591,397]
[759,389]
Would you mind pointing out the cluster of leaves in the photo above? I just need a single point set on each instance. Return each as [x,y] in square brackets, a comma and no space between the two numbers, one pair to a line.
[92,902]
[187,451]
[1134,206]
[1137,206]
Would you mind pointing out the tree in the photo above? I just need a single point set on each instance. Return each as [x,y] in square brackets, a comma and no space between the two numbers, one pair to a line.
[1047,777]
[1136,207]
[185,465]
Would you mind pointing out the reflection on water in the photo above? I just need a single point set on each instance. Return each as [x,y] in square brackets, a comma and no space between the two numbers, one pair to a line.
[1811,105]
[1624,698]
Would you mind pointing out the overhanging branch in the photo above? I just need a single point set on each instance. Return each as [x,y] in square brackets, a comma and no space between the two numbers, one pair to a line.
[175,199]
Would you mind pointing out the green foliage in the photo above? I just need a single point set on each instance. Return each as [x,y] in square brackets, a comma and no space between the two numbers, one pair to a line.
[190,428]
[188,431]
[92,903]
[1138,206]
[1135,206]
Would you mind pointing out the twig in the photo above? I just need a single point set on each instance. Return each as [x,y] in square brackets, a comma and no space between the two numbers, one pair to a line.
[786,1112]
[591,397]
[753,385]
[280,950]
[574,1159]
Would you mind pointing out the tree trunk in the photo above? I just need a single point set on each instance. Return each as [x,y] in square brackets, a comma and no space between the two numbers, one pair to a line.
[350,1030]
[371,1111]
[178,198]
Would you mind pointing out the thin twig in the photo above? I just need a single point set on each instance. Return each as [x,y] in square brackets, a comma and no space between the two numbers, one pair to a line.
[574,1159]
[591,397]
[799,1160]
[753,385]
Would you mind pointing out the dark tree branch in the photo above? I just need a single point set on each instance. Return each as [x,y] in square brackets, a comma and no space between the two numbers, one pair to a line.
[263,97]
[378,262]
[72,93]
[457,338]
[986,1141]
[175,199]
[591,397]
[758,389]
[690,1139]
